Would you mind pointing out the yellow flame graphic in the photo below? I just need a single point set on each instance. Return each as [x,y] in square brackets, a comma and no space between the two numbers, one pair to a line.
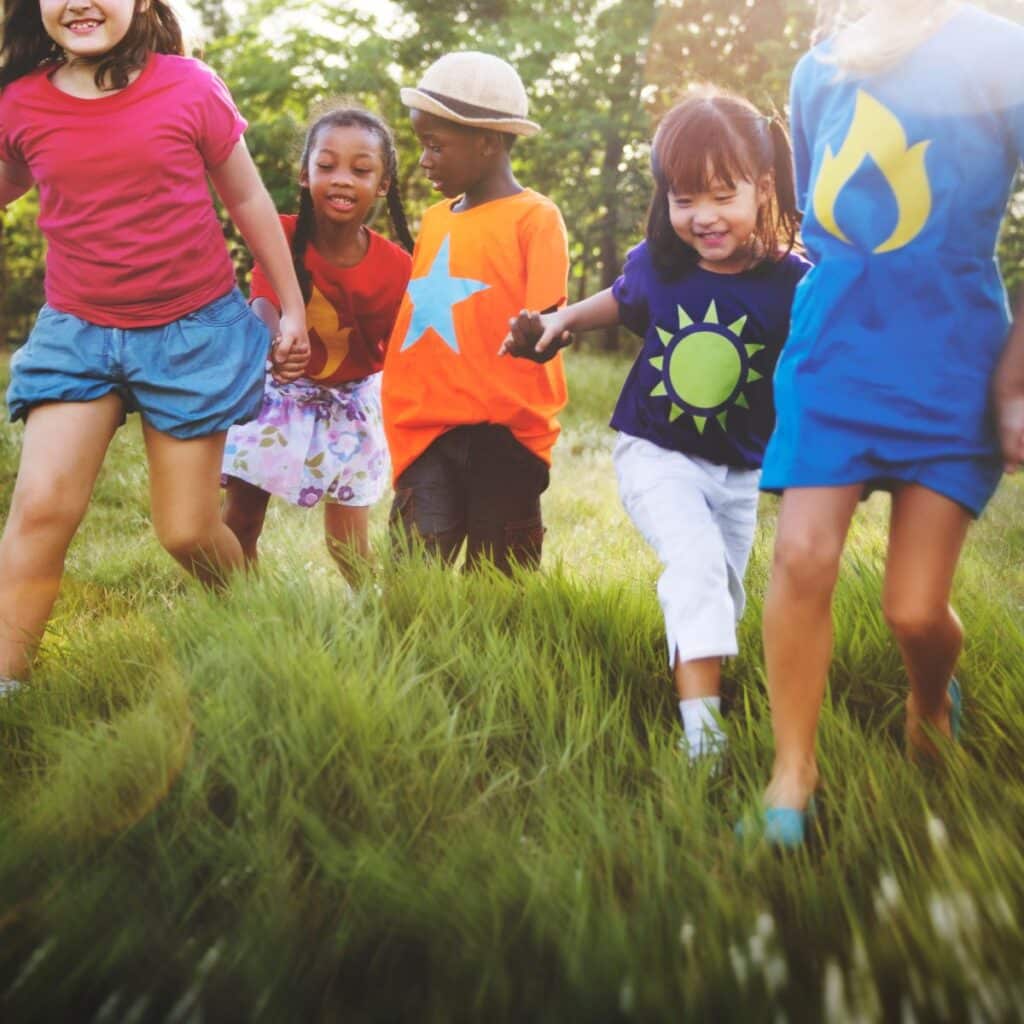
[877,132]
[325,331]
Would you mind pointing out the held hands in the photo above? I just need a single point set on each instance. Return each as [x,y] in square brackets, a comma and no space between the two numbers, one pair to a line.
[536,336]
[289,351]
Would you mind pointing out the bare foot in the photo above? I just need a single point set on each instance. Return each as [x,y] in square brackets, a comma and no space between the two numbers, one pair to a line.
[792,786]
[926,735]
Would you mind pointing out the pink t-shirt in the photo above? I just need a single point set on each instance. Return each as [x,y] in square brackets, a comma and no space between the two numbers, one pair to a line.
[132,236]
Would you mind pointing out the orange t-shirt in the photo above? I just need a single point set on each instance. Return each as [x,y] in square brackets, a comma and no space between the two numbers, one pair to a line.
[471,272]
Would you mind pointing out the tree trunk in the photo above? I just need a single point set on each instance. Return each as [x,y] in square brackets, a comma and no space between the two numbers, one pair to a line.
[610,227]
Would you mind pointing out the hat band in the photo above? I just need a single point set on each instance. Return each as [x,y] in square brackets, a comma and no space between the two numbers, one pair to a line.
[464,109]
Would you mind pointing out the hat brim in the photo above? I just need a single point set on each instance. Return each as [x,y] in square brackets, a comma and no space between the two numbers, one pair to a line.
[417,100]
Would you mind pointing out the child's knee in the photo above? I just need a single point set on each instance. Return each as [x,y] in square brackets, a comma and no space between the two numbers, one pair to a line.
[805,561]
[184,540]
[41,509]
[910,619]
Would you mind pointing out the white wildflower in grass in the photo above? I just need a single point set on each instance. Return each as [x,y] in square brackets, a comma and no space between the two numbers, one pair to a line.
[943,918]
[907,1015]
[765,925]
[889,890]
[686,935]
[937,832]
[627,997]
[776,974]
[756,950]
[739,965]
[835,1008]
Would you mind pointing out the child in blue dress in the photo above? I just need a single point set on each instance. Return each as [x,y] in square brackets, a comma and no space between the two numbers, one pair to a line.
[709,291]
[908,128]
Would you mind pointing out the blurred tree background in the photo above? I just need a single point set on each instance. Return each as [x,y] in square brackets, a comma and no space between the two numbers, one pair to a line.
[599,75]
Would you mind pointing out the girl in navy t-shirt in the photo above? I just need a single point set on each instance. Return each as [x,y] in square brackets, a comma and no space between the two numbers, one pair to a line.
[710,291]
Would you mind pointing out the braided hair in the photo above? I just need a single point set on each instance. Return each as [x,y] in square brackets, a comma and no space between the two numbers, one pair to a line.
[347,117]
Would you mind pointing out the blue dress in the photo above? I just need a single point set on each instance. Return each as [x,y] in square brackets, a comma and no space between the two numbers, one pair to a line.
[904,177]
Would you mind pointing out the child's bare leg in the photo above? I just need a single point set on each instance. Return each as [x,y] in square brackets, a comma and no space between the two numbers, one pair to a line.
[926,534]
[61,455]
[698,683]
[347,531]
[244,511]
[797,624]
[184,488]
[701,677]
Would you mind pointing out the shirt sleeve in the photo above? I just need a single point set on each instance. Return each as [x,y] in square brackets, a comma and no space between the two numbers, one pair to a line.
[630,291]
[220,124]
[547,258]
[9,153]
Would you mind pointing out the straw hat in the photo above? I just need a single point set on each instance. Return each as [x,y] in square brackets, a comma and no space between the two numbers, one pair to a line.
[474,89]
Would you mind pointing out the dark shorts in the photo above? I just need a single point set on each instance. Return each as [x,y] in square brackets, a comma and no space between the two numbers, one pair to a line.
[476,484]
[190,378]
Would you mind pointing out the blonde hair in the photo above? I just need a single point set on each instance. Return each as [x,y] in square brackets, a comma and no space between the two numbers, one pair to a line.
[873,35]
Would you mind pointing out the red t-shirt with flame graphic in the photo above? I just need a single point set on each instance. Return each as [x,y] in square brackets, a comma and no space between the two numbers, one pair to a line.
[351,310]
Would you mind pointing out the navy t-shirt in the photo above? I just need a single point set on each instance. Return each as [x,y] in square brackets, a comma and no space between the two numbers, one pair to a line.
[702,383]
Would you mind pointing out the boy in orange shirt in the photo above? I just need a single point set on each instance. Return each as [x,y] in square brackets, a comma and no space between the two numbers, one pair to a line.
[471,433]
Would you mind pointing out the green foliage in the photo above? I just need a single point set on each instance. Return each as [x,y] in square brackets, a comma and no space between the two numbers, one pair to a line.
[22,253]
[449,798]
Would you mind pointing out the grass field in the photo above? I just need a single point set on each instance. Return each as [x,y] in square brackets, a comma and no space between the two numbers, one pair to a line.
[442,798]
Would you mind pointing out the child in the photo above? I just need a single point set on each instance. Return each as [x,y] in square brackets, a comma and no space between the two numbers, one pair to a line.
[471,436]
[896,333]
[327,442]
[709,290]
[100,109]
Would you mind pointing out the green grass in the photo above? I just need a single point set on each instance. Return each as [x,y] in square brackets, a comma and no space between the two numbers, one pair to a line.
[448,798]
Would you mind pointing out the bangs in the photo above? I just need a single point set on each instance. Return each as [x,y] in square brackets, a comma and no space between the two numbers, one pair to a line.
[698,148]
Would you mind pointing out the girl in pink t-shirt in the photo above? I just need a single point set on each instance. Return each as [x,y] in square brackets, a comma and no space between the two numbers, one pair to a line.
[119,131]
[320,439]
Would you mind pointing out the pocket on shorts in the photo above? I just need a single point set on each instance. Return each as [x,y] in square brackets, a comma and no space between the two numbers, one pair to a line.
[221,312]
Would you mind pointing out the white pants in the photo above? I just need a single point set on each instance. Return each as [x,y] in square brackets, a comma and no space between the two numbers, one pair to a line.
[700,518]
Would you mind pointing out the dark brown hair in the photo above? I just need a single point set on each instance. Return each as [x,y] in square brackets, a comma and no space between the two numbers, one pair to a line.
[346,117]
[711,137]
[26,46]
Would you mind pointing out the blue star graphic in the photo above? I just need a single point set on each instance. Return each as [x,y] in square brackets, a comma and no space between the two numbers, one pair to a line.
[434,296]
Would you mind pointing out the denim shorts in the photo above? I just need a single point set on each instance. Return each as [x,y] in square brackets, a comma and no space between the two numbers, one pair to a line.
[189,378]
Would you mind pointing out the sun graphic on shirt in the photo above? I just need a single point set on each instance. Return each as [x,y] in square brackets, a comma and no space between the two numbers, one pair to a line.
[705,368]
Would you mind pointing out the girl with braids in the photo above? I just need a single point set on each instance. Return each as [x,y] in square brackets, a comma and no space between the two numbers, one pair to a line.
[709,291]
[320,438]
[120,131]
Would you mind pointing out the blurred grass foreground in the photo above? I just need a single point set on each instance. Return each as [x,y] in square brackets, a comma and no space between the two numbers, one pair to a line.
[439,798]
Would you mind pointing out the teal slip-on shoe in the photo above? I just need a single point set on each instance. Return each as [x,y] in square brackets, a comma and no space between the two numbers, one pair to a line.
[778,826]
[956,711]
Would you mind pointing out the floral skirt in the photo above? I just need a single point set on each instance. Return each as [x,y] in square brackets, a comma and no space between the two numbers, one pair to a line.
[313,443]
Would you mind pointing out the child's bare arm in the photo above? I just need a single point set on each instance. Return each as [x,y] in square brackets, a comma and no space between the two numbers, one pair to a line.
[1008,389]
[539,336]
[252,210]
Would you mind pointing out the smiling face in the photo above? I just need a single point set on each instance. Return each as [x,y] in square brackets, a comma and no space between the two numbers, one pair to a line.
[344,173]
[454,158]
[87,29]
[719,223]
